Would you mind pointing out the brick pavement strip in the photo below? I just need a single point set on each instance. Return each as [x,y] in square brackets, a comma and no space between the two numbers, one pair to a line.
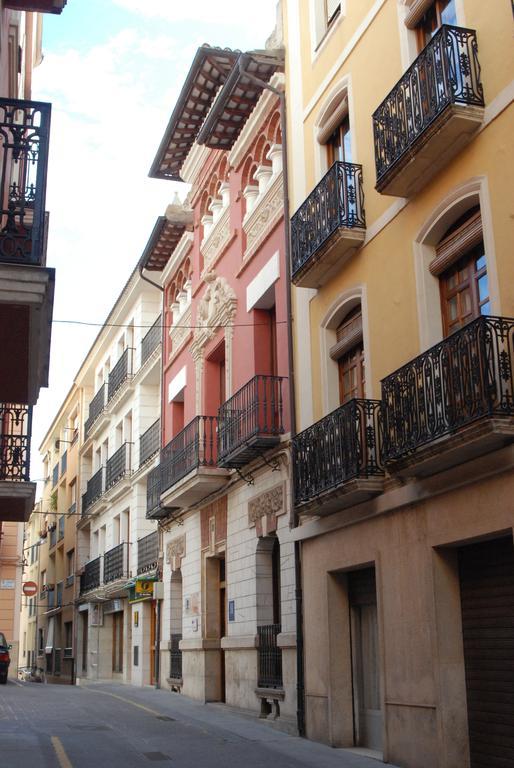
[120,726]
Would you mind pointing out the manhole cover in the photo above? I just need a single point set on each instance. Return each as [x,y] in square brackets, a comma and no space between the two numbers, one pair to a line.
[166,718]
[90,727]
[155,756]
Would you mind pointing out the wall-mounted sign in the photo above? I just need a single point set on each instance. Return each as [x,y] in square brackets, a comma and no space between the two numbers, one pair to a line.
[29,588]
[136,620]
[8,584]
[144,587]
[231,610]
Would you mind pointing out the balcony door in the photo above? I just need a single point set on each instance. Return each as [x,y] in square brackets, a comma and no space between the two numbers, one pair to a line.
[349,353]
[117,642]
[339,145]
[438,13]
[367,707]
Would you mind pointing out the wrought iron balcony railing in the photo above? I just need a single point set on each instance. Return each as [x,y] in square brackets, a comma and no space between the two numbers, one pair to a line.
[59,592]
[51,599]
[151,340]
[61,528]
[147,552]
[175,657]
[55,475]
[118,466]
[72,510]
[337,201]
[24,140]
[150,442]
[96,407]
[64,462]
[94,489]
[115,563]
[464,378]
[446,72]
[15,434]
[194,446]
[270,657]
[342,446]
[90,579]
[70,580]
[121,372]
[153,493]
[53,537]
[251,417]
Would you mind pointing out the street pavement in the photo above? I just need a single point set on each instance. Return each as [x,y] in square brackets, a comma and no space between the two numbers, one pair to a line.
[121,726]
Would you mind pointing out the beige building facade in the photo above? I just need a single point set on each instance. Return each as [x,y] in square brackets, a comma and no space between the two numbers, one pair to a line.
[400,126]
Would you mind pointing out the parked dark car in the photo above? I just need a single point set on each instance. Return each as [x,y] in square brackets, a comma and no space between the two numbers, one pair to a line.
[5,659]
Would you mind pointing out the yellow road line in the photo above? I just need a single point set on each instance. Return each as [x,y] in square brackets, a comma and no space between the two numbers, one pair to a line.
[59,751]
[127,701]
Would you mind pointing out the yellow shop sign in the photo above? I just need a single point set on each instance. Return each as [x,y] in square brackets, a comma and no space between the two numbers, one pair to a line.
[144,587]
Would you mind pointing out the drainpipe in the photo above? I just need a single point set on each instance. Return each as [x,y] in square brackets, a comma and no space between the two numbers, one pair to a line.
[300,691]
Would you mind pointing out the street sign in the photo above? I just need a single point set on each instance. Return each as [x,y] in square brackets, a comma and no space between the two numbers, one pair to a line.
[29,588]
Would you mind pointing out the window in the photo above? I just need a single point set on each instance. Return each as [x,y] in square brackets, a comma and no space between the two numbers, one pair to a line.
[325,14]
[40,641]
[70,562]
[332,10]
[349,353]
[438,13]
[68,634]
[339,143]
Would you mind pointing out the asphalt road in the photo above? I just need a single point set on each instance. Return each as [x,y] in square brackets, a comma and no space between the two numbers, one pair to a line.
[120,726]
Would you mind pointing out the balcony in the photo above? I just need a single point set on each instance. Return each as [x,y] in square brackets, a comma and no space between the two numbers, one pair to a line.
[116,564]
[61,528]
[151,341]
[17,494]
[453,402]
[26,293]
[120,374]
[55,475]
[147,553]
[96,408]
[251,421]
[150,442]
[64,462]
[337,460]
[94,489]
[329,226]
[154,511]
[118,466]
[53,536]
[188,464]
[430,114]
[90,579]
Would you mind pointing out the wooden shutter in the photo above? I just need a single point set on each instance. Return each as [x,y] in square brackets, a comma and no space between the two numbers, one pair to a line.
[457,244]
[487,600]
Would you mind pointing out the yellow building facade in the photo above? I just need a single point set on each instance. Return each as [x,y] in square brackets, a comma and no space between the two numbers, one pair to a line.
[400,154]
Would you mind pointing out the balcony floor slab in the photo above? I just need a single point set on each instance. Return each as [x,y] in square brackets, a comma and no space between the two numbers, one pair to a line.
[330,257]
[193,487]
[346,495]
[16,501]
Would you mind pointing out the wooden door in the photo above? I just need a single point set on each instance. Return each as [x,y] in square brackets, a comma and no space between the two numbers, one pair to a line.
[487,600]
[223,620]
[367,705]
[152,642]
[84,640]
[117,642]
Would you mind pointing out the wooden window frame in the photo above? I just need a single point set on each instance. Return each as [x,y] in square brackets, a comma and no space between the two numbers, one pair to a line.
[470,283]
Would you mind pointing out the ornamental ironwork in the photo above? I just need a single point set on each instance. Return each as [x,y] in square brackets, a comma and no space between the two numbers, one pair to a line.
[96,407]
[15,434]
[253,415]
[147,552]
[464,378]
[342,446]
[118,466]
[90,579]
[151,340]
[193,447]
[175,657]
[153,494]
[120,373]
[446,72]
[270,657]
[150,442]
[95,488]
[337,201]
[24,139]
[115,564]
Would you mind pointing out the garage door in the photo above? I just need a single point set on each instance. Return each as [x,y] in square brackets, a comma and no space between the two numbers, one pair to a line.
[487,599]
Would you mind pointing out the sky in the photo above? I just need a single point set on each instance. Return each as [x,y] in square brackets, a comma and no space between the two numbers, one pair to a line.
[112,70]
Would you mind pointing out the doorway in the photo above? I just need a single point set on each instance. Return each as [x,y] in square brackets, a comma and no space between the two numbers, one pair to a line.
[367,708]
[117,642]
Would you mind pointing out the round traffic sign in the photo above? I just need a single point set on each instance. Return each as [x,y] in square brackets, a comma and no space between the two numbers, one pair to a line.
[29,588]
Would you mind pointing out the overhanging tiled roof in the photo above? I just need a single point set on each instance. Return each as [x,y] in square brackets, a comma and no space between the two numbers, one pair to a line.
[163,241]
[209,70]
[38,6]
[238,97]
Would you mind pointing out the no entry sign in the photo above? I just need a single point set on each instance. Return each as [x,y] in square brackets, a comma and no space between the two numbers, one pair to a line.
[29,588]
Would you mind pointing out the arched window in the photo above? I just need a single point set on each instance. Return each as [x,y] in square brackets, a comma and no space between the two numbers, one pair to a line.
[349,353]
[333,126]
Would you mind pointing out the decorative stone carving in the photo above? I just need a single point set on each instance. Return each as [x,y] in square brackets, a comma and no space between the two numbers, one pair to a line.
[181,332]
[264,509]
[217,239]
[175,551]
[267,212]
[216,308]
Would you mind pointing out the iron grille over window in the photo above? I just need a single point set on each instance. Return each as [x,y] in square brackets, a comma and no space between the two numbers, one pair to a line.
[147,552]
[120,373]
[337,201]
[15,433]
[114,564]
[118,466]
[465,377]
[270,657]
[150,442]
[175,657]
[194,446]
[151,340]
[342,446]
[24,138]
[445,72]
